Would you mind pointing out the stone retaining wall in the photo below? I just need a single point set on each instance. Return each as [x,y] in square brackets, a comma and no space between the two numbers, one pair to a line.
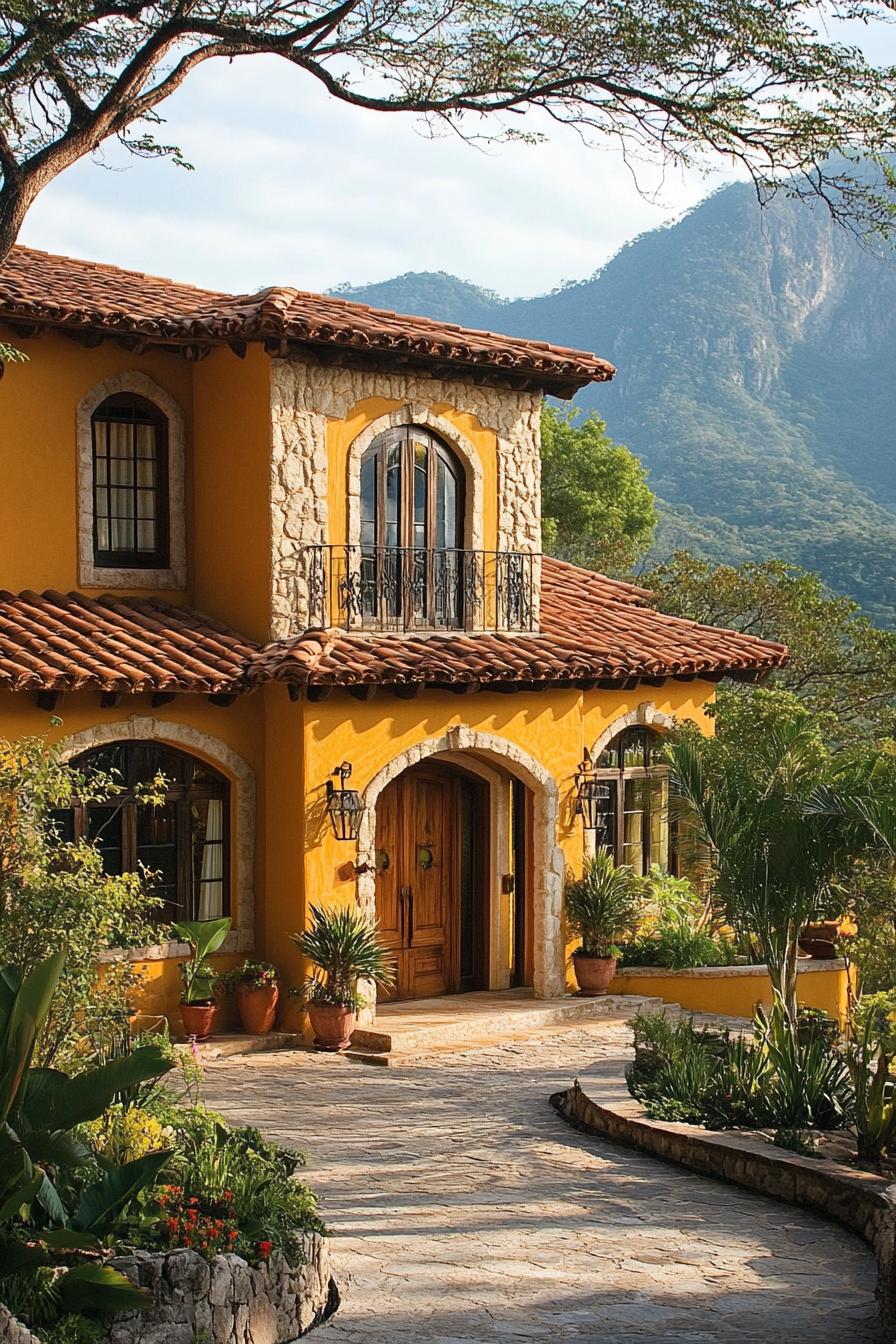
[860,1200]
[222,1301]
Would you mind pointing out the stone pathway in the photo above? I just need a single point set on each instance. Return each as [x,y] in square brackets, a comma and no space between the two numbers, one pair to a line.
[463,1209]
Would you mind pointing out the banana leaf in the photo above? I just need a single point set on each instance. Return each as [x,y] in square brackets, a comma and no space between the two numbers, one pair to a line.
[52,1100]
[100,1203]
[100,1288]
[24,1012]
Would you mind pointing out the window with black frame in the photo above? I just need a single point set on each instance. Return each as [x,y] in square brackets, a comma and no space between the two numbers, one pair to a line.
[634,820]
[184,841]
[130,484]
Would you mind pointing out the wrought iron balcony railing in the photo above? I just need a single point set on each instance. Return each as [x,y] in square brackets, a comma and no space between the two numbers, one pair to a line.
[409,588]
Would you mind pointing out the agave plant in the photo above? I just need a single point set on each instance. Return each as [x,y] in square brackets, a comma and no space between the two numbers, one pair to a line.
[603,905]
[343,947]
[40,1110]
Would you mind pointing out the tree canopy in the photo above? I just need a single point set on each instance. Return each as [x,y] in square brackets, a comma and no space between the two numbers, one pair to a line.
[842,667]
[756,81]
[597,508]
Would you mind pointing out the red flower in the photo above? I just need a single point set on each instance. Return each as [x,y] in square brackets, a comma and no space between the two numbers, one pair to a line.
[264,1249]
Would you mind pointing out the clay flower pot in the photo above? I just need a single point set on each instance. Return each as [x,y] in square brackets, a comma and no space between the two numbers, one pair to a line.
[258,1008]
[593,974]
[198,1019]
[819,940]
[333,1025]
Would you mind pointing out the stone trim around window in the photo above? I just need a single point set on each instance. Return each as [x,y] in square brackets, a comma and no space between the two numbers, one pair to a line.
[645,716]
[139,728]
[99,576]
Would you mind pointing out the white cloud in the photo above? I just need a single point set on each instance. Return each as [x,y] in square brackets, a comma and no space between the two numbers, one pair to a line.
[293,188]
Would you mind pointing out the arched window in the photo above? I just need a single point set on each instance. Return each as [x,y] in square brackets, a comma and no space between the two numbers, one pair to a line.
[635,815]
[185,841]
[412,528]
[130,484]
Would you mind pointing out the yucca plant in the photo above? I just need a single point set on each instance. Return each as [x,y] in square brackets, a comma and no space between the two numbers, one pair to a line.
[344,947]
[603,905]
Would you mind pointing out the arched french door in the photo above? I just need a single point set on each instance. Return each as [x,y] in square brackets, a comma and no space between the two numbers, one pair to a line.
[431,890]
[412,530]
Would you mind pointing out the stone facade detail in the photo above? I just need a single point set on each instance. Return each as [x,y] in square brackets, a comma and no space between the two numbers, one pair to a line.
[90,575]
[305,396]
[226,1300]
[13,1331]
[547,865]
[142,728]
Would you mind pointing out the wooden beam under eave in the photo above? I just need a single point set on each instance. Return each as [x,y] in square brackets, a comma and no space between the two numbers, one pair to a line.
[315,693]
[406,690]
[47,699]
[465,687]
[110,699]
[654,681]
[160,698]
[366,690]
[222,699]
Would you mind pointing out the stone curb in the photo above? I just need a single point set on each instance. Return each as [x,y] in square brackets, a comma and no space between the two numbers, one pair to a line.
[861,1201]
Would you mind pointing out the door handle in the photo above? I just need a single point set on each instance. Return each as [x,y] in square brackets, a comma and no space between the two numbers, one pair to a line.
[401,913]
[410,894]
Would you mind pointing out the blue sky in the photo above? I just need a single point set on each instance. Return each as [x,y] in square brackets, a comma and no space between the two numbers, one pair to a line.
[292,188]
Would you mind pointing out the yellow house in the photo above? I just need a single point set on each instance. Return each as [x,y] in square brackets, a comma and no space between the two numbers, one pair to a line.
[283,546]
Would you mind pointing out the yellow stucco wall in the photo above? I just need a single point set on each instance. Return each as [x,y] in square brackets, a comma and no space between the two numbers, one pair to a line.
[735,992]
[38,405]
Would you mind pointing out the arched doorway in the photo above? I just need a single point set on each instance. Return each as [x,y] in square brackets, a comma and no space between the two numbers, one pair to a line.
[525,881]
[432,886]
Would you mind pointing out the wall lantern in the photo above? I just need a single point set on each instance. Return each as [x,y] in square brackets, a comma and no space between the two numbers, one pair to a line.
[344,806]
[592,795]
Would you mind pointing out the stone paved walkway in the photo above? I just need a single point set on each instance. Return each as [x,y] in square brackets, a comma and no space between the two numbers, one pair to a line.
[464,1209]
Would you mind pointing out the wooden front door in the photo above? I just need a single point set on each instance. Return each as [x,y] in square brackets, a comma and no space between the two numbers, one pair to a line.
[427,882]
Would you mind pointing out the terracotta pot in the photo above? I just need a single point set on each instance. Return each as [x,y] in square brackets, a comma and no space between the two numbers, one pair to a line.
[198,1019]
[258,1008]
[593,973]
[333,1025]
[819,940]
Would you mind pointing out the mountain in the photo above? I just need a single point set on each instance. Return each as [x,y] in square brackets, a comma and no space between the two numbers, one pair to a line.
[756,379]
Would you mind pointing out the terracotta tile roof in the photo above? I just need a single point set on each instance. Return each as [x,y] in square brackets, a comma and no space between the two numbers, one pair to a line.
[593,628]
[65,642]
[38,287]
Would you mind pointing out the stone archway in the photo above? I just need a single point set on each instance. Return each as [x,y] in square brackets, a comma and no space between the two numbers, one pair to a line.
[547,858]
[140,728]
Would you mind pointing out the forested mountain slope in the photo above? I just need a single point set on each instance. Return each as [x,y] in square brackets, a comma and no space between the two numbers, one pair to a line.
[757,380]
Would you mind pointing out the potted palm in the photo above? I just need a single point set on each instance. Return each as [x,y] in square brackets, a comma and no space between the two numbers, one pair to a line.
[199,976]
[602,906]
[257,988]
[344,948]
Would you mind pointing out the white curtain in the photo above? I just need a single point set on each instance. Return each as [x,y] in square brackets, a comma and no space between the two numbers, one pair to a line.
[211,878]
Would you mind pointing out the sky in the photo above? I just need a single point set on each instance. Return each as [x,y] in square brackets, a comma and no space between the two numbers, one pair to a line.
[290,187]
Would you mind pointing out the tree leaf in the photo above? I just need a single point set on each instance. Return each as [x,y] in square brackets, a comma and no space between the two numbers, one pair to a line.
[100,1288]
[73,1101]
[100,1203]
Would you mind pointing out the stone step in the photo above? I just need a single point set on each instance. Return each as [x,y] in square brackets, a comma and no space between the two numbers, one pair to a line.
[419,1028]
[226,1043]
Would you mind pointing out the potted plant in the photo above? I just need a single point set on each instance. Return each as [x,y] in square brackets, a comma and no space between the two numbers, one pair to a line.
[257,989]
[343,947]
[199,976]
[602,906]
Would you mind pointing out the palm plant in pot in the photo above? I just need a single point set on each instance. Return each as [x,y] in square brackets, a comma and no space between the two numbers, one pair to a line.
[602,907]
[199,976]
[257,988]
[344,948]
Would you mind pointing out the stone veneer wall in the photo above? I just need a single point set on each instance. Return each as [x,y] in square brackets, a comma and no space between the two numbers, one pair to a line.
[304,396]
[222,1301]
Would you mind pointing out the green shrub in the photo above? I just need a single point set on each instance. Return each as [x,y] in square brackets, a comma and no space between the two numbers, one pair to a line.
[603,905]
[679,931]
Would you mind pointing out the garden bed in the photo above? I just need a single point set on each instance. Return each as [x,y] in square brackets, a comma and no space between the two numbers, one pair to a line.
[734,991]
[860,1200]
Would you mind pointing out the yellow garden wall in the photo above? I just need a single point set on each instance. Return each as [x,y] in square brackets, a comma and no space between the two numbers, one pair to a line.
[734,991]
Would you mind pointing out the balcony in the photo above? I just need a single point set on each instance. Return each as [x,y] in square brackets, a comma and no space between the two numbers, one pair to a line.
[405,588]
